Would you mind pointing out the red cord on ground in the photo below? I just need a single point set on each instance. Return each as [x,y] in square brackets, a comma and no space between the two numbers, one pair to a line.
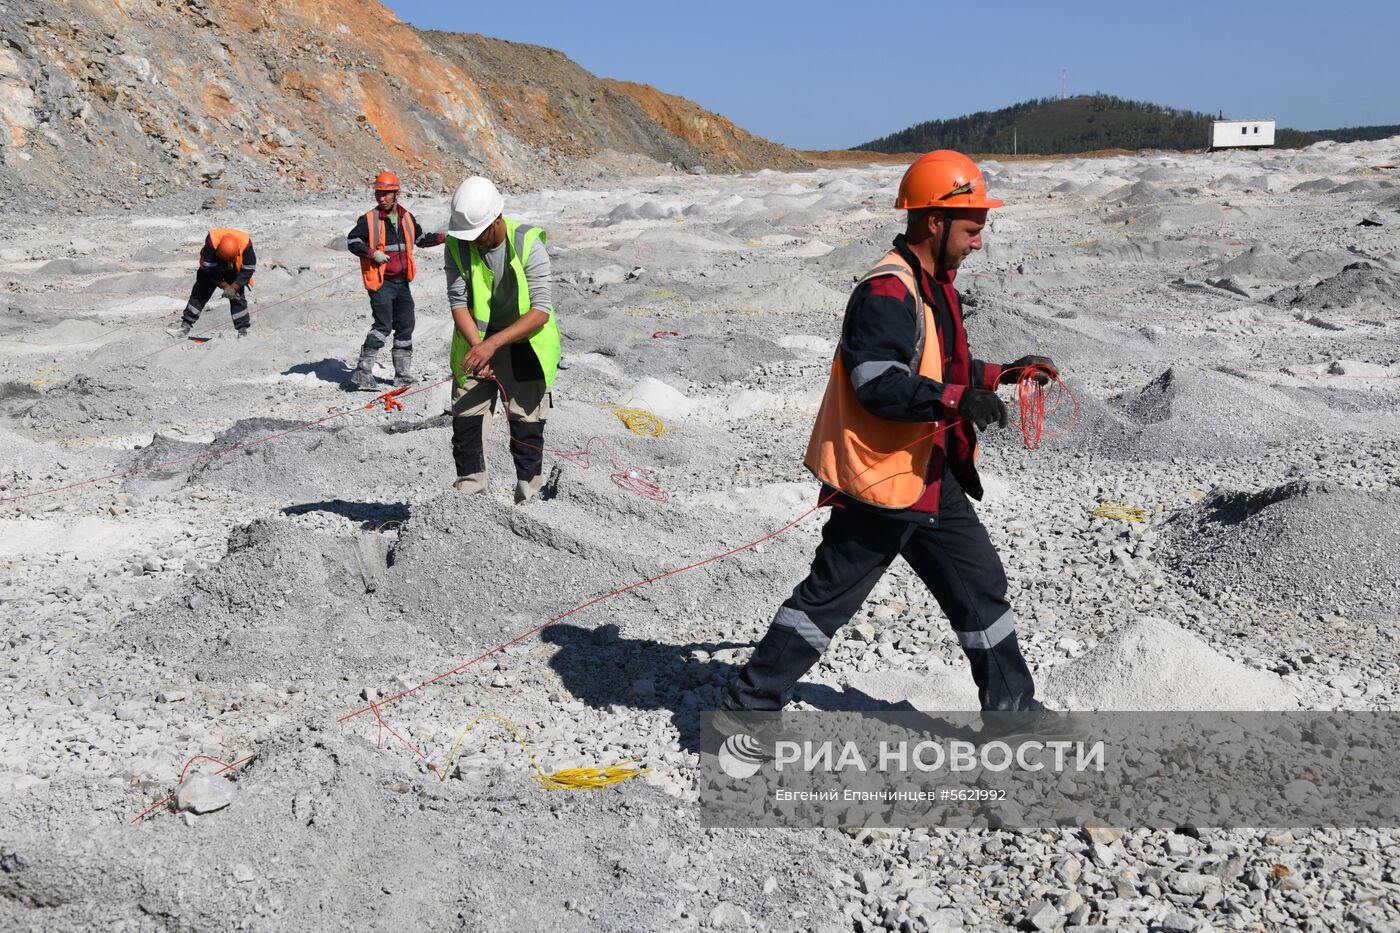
[825,500]
[223,766]
[640,481]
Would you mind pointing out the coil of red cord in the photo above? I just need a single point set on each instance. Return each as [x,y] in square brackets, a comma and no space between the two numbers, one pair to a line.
[1039,392]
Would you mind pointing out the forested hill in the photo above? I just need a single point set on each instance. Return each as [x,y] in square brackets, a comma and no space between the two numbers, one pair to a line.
[1083,124]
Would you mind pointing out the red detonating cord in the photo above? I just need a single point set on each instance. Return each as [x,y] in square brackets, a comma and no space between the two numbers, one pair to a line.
[1039,392]
[640,481]
[223,766]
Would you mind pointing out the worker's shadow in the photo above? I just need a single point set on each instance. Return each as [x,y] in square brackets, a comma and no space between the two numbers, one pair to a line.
[336,372]
[372,516]
[642,674]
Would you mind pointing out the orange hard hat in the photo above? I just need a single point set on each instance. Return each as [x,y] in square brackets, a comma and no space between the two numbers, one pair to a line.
[228,249]
[943,178]
[386,181]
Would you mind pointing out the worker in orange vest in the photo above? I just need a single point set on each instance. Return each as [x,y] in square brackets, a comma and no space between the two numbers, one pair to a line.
[226,264]
[893,446]
[384,238]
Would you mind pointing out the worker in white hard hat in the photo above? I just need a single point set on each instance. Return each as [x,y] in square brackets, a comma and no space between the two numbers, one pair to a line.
[504,337]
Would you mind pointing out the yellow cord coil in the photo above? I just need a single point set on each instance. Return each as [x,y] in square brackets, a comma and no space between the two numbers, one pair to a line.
[1124,511]
[1120,510]
[566,779]
[640,422]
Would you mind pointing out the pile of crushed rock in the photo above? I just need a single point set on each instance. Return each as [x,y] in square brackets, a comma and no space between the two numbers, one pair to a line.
[1317,546]
[1359,284]
[1155,665]
[1188,411]
[320,817]
[460,575]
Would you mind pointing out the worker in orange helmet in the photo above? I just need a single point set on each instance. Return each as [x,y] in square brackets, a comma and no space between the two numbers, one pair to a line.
[893,446]
[226,264]
[384,238]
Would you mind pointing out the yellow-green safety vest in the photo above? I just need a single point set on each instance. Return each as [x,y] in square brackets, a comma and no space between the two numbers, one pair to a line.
[520,238]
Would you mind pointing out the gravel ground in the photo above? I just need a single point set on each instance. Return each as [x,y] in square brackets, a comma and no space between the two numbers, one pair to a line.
[241,604]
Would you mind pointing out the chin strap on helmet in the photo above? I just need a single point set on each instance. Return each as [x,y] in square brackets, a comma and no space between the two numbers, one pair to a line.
[941,259]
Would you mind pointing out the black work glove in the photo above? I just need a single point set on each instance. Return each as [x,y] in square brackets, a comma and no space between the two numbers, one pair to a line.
[1011,372]
[983,408]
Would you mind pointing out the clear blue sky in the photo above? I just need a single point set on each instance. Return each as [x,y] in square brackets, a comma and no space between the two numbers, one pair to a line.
[827,75]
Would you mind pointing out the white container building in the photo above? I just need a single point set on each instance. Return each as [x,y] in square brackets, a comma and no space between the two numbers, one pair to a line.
[1238,134]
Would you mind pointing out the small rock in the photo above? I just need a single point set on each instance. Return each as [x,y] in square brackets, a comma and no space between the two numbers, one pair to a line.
[1103,856]
[611,274]
[945,920]
[863,631]
[1042,916]
[1325,734]
[243,873]
[727,915]
[1299,792]
[1177,923]
[1177,845]
[202,793]
[1192,884]
[869,881]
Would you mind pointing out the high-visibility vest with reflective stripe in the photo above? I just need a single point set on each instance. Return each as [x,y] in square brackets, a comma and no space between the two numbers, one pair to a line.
[882,463]
[216,237]
[374,274]
[520,239]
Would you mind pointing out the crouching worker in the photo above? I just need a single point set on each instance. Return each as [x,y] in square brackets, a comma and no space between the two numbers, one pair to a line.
[498,285]
[226,265]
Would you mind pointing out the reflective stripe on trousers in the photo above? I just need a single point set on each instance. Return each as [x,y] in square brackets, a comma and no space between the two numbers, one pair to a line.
[954,558]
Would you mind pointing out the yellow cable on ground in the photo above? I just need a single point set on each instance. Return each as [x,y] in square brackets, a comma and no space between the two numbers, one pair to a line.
[1120,510]
[1124,511]
[641,422]
[566,779]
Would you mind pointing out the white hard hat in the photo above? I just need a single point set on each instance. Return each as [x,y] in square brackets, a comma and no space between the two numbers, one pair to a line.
[475,206]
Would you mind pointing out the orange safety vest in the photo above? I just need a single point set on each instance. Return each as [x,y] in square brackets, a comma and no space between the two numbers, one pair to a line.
[217,235]
[373,274]
[879,462]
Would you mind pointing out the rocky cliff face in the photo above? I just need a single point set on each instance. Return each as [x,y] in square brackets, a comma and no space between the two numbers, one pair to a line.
[559,113]
[116,99]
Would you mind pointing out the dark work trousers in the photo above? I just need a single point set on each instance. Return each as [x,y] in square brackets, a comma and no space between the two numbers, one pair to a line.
[469,450]
[956,561]
[473,409]
[205,284]
[392,306]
